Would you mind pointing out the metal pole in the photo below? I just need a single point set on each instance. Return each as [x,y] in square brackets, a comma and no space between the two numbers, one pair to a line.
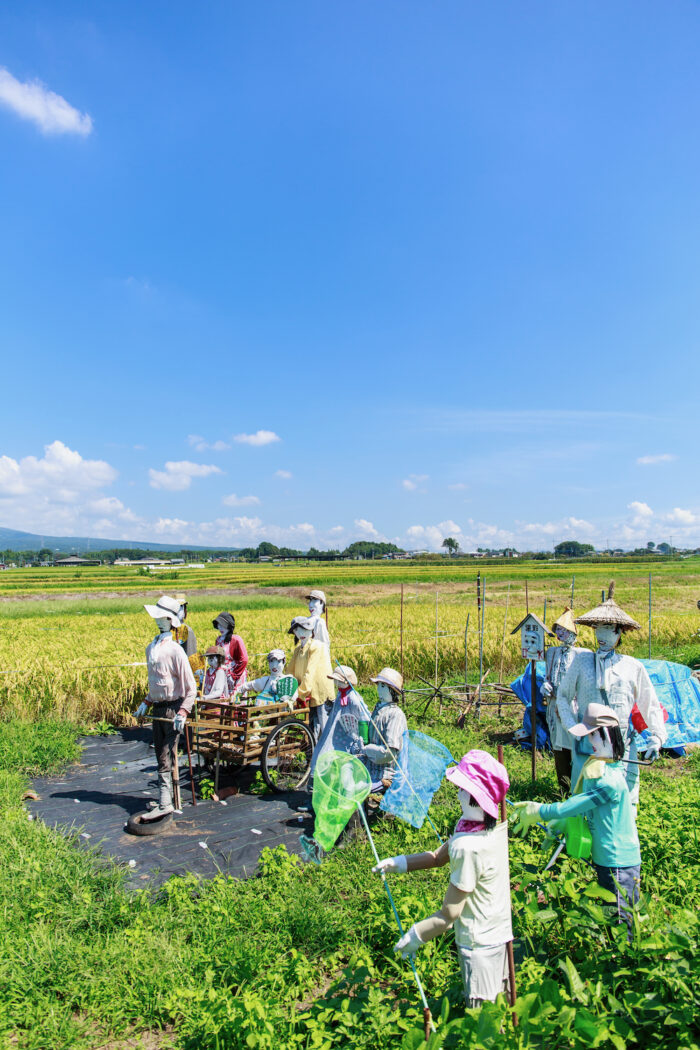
[466,632]
[650,616]
[533,714]
[401,631]
[503,640]
[436,638]
[509,947]
[426,1009]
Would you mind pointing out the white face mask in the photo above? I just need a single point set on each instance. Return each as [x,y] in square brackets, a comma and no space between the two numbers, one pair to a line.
[384,693]
[212,663]
[607,636]
[302,634]
[315,607]
[564,636]
[470,811]
[601,746]
[276,666]
[164,625]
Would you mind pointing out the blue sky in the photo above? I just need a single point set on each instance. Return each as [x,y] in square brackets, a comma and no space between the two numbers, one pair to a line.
[319,272]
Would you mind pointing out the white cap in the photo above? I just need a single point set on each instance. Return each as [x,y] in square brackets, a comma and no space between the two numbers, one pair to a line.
[165,606]
[277,654]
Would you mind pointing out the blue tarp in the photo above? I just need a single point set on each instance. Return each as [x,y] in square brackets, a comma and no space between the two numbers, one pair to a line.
[675,687]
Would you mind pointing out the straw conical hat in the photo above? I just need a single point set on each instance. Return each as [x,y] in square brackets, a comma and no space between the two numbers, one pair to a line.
[609,612]
[566,620]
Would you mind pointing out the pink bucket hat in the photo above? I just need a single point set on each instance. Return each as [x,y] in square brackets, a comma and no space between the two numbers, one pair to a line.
[483,777]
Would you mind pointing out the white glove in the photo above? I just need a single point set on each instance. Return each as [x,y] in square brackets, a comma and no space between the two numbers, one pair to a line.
[527,813]
[141,710]
[179,722]
[547,689]
[652,752]
[390,865]
[409,943]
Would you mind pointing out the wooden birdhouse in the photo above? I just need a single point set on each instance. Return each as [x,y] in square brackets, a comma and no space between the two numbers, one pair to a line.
[532,632]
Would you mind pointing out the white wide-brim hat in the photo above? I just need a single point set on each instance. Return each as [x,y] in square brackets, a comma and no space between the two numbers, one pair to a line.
[165,606]
[316,594]
[344,675]
[390,677]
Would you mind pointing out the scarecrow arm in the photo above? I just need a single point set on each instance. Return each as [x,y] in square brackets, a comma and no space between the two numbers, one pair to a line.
[446,916]
[565,696]
[432,859]
[379,754]
[578,805]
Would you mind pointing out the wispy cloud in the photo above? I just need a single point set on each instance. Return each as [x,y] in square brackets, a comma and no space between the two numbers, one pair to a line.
[662,457]
[200,445]
[260,437]
[522,420]
[413,481]
[285,475]
[239,501]
[33,101]
[177,476]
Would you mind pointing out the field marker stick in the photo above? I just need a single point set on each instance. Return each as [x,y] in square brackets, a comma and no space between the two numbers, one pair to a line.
[573,584]
[533,715]
[481,654]
[466,632]
[401,631]
[509,948]
[650,616]
[426,1009]
[503,640]
[436,639]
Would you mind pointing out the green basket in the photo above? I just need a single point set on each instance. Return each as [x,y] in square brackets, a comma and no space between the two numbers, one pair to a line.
[578,838]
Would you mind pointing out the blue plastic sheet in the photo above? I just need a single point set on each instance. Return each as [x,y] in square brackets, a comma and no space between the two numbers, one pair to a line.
[419,771]
[679,693]
[521,687]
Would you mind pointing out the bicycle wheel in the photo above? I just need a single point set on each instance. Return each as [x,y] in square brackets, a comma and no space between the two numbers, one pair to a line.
[286,755]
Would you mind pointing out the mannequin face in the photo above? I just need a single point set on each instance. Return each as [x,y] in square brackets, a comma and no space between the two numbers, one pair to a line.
[564,636]
[213,663]
[315,607]
[302,634]
[276,666]
[164,625]
[384,693]
[607,636]
[470,811]
[602,748]
[183,613]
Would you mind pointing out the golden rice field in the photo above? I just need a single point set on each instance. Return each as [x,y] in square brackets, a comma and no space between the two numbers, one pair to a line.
[74,657]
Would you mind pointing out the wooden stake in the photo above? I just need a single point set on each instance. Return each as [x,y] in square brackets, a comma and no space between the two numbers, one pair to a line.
[503,640]
[533,714]
[401,631]
[509,947]
[650,616]
[527,599]
[436,638]
[466,632]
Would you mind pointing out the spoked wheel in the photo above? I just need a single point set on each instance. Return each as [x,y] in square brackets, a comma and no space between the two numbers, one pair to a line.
[286,755]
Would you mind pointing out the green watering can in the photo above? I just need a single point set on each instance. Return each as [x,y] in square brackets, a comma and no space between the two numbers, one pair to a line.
[578,838]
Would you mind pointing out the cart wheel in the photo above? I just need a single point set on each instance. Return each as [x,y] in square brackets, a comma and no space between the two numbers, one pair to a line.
[286,755]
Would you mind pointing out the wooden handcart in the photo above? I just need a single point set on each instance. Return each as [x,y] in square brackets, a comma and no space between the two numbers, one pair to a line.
[231,735]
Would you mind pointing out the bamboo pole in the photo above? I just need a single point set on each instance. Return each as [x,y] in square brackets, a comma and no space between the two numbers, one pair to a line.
[481,652]
[650,616]
[401,631]
[466,632]
[436,637]
[573,584]
[503,640]
[509,947]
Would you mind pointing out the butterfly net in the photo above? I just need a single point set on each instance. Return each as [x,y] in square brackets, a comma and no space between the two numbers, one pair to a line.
[340,782]
[420,768]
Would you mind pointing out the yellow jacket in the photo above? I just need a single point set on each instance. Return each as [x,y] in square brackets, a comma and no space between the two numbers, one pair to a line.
[311,666]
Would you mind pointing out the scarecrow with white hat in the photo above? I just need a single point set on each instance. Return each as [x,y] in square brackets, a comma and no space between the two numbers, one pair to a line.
[386,729]
[266,685]
[317,611]
[608,678]
[348,723]
[184,633]
[558,660]
[310,663]
[477,901]
[172,691]
[603,798]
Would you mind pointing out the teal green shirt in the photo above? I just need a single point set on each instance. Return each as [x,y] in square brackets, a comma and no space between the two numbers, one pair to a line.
[605,802]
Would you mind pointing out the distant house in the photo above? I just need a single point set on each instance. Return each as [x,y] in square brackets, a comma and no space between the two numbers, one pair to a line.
[73,559]
[146,562]
[264,557]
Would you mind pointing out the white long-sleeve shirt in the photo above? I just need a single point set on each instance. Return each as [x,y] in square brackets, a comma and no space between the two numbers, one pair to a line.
[628,683]
[170,677]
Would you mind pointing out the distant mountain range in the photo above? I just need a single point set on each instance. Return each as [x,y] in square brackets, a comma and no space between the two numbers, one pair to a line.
[12,539]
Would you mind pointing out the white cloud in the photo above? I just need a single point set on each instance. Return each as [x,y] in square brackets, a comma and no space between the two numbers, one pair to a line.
[412,482]
[285,475]
[366,529]
[239,501]
[683,517]
[260,437]
[177,476]
[32,100]
[200,445]
[662,457]
[62,473]
[642,514]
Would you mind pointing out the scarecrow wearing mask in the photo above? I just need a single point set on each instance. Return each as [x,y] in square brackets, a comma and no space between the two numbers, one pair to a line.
[620,682]
[348,718]
[558,659]
[310,663]
[317,612]
[386,729]
[477,901]
[235,652]
[215,685]
[172,691]
[266,685]
[184,633]
[603,798]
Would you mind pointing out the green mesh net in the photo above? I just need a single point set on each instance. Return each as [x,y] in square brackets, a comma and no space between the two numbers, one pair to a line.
[340,782]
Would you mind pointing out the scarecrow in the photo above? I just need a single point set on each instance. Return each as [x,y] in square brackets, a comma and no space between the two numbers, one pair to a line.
[184,633]
[215,685]
[266,685]
[310,663]
[603,798]
[386,729]
[477,901]
[235,652]
[317,612]
[620,682]
[558,659]
[172,691]
[348,723]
